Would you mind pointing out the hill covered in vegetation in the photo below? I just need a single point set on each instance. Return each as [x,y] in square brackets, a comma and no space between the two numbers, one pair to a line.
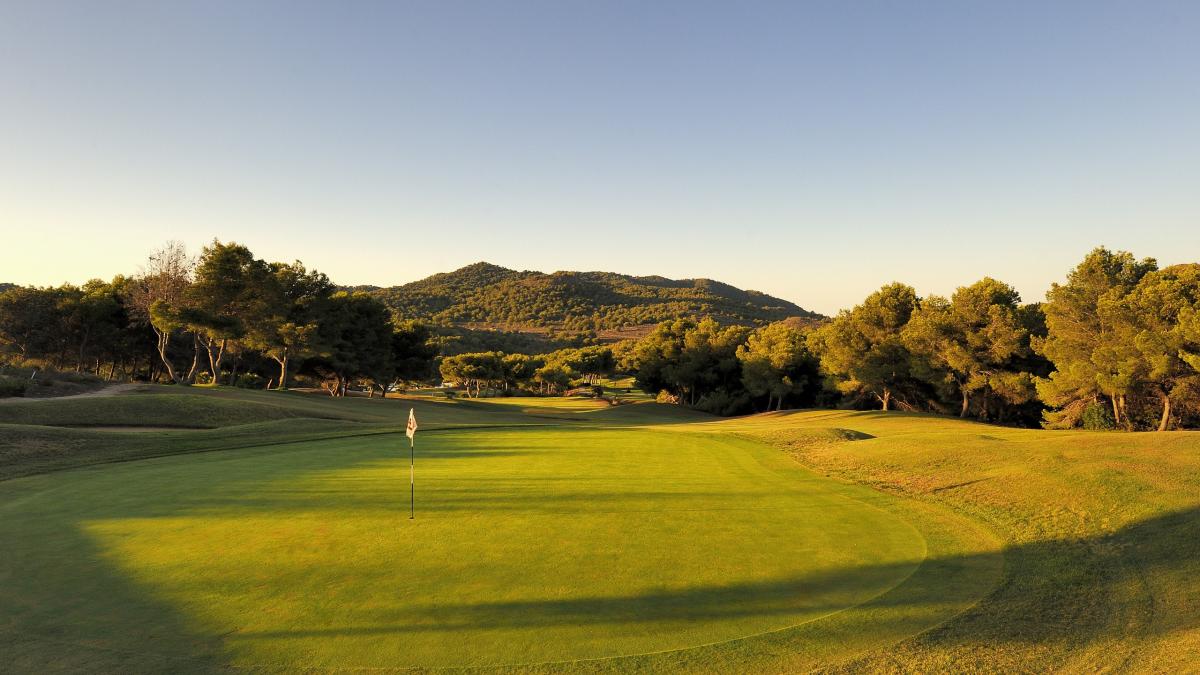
[489,295]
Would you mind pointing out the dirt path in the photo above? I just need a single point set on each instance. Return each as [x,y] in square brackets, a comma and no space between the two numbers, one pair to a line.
[110,390]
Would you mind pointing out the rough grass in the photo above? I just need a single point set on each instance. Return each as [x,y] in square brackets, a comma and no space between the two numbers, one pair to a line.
[1101,530]
[559,536]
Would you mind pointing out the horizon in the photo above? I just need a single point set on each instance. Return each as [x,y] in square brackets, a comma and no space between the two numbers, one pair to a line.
[194,250]
[813,153]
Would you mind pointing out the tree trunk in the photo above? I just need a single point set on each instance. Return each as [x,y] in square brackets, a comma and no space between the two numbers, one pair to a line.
[283,370]
[886,399]
[1116,410]
[216,354]
[82,349]
[966,404]
[779,403]
[1166,413]
[191,376]
[164,341]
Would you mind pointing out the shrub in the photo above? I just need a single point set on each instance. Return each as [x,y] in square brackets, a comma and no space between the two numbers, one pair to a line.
[250,381]
[11,386]
[76,378]
[722,403]
[1097,417]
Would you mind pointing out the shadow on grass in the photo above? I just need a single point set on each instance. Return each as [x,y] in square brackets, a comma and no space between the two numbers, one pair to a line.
[64,608]
[1077,574]
[1056,597]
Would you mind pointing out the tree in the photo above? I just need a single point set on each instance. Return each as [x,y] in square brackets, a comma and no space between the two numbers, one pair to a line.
[286,328]
[862,351]
[776,363]
[520,368]
[97,320]
[163,282]
[29,324]
[554,376]
[231,290]
[1153,323]
[690,360]
[474,371]
[1082,346]
[413,351]
[591,363]
[974,342]
[355,333]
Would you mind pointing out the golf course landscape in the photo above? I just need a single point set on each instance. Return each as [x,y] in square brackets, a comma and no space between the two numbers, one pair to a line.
[169,529]
[599,338]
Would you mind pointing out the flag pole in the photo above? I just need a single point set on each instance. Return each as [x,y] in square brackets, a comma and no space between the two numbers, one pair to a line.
[412,481]
[411,432]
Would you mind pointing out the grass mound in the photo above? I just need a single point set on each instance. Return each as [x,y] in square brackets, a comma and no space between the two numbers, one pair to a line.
[1102,535]
[159,410]
[29,450]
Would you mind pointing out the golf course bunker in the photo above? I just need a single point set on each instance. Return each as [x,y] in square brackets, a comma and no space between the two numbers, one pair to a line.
[528,546]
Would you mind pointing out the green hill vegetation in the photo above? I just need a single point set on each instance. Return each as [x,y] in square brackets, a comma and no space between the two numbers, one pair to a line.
[486,294]
[560,535]
[1115,346]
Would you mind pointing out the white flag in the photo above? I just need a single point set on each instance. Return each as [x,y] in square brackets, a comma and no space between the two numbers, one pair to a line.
[411,430]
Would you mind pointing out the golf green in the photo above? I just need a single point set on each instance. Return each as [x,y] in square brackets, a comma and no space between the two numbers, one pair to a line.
[532,545]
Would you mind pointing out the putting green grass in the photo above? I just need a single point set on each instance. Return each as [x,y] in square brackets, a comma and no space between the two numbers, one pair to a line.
[530,546]
[560,536]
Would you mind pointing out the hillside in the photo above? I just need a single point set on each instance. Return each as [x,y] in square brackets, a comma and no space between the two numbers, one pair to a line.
[486,295]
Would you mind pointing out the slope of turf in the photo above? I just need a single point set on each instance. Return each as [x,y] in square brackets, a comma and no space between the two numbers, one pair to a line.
[40,436]
[1102,534]
[167,410]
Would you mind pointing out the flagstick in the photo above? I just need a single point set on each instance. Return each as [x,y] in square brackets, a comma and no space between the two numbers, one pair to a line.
[412,482]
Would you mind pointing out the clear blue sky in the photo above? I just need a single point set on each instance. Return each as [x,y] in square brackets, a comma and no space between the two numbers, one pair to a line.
[811,150]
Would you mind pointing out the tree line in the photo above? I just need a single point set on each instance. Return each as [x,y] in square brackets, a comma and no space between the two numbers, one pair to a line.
[191,320]
[547,374]
[1115,346]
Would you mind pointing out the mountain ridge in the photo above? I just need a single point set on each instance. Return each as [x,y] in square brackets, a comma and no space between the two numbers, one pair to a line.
[483,293]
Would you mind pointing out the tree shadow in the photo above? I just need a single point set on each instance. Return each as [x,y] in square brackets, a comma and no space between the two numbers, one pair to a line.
[73,611]
[1066,593]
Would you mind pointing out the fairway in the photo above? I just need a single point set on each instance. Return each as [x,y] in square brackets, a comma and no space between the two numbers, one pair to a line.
[531,545]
